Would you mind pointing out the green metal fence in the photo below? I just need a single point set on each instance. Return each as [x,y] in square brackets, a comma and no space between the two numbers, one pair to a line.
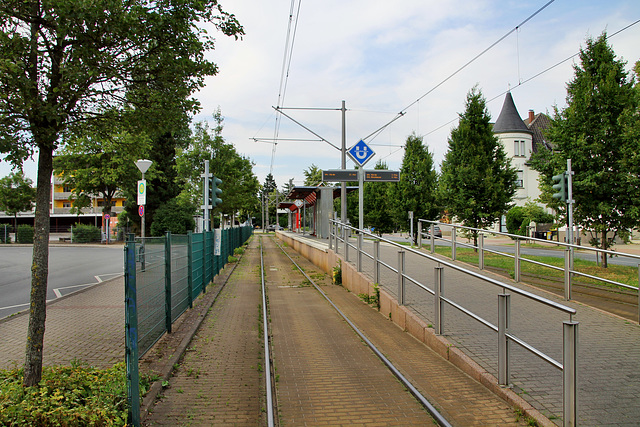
[163,276]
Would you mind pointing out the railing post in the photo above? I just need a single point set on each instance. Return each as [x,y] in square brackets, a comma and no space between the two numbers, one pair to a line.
[481,251]
[504,313]
[516,274]
[376,263]
[432,230]
[167,281]
[131,331]
[400,277]
[330,235]
[453,242]
[419,234]
[569,372]
[439,303]
[190,267]
[346,245]
[359,259]
[567,274]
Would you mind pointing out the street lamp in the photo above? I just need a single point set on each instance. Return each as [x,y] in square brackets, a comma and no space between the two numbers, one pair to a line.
[143,166]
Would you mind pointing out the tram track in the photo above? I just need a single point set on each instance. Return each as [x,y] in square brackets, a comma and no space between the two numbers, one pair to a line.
[278,250]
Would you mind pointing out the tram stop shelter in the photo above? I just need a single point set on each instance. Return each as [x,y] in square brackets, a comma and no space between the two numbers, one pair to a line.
[311,208]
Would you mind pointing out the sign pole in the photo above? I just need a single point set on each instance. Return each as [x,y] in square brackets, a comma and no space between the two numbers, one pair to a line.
[361,198]
[343,186]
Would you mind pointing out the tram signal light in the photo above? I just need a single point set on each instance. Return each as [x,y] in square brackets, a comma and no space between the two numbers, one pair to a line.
[214,191]
[560,187]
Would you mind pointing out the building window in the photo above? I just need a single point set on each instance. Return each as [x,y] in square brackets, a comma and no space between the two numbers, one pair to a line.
[520,180]
[66,204]
[66,189]
[518,149]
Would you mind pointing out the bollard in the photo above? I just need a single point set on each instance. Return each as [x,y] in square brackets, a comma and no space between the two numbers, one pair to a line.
[504,313]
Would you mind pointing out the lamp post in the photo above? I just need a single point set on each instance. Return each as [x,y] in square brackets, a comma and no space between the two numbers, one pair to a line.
[143,166]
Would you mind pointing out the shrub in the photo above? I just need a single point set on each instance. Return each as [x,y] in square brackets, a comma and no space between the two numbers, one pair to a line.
[66,396]
[86,233]
[337,273]
[25,234]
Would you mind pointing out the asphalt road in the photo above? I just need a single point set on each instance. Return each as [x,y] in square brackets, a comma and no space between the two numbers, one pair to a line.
[71,268]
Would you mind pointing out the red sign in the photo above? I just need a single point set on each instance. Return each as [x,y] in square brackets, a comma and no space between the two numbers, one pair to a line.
[141,210]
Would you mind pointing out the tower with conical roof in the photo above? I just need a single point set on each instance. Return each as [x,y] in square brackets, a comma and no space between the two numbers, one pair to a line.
[517,140]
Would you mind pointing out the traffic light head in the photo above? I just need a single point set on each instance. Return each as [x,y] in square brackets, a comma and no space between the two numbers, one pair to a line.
[214,191]
[560,187]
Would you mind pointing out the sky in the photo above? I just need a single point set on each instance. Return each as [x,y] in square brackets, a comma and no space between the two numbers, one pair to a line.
[383,58]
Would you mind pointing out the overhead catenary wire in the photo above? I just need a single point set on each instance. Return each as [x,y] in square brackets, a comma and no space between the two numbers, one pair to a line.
[403,111]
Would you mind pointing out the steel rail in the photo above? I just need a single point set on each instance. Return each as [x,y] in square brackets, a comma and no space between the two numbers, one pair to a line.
[414,391]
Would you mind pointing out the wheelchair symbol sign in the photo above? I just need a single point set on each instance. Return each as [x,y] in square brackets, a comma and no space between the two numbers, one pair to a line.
[361,153]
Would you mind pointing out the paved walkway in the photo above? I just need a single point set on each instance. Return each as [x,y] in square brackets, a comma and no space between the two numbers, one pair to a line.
[608,349]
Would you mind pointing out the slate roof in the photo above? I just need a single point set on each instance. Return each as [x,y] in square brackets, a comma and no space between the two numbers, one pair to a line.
[538,125]
[509,120]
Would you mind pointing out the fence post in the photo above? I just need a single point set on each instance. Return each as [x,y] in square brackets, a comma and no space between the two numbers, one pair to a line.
[569,372]
[516,273]
[481,251]
[433,237]
[359,259]
[439,303]
[190,267]
[346,245]
[567,274]
[453,242]
[376,261]
[400,277]
[419,234]
[504,313]
[204,261]
[167,281]
[638,293]
[131,330]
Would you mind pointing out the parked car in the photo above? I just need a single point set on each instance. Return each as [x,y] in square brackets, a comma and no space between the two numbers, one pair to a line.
[274,227]
[436,232]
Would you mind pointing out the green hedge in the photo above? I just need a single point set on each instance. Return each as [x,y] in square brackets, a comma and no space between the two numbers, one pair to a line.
[25,234]
[86,233]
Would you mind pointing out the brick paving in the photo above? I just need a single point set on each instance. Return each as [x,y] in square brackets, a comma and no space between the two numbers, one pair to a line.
[219,381]
[87,326]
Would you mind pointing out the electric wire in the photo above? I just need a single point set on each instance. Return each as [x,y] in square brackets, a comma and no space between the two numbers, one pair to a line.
[403,111]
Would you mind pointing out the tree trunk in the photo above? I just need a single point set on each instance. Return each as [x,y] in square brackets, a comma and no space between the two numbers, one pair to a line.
[39,271]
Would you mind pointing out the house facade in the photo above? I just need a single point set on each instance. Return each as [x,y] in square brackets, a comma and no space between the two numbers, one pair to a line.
[520,139]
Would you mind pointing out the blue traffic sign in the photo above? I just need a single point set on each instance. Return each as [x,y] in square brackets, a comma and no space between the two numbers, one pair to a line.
[361,153]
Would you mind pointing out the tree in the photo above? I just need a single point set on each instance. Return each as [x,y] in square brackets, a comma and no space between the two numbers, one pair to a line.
[477,181]
[174,218]
[16,195]
[101,165]
[67,65]
[239,185]
[598,131]
[377,209]
[312,176]
[416,190]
